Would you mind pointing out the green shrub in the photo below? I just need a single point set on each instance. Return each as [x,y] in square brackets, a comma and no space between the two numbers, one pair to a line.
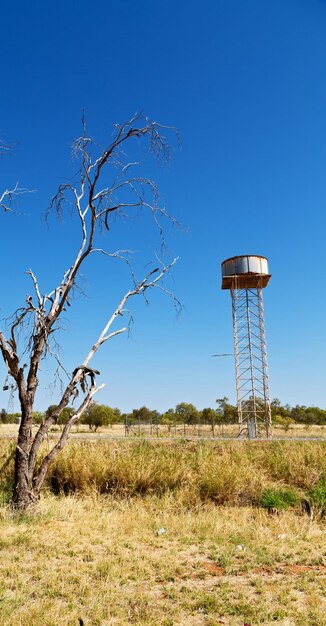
[317,495]
[280,499]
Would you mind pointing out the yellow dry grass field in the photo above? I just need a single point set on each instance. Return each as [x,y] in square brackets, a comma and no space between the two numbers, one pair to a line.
[96,560]
[171,534]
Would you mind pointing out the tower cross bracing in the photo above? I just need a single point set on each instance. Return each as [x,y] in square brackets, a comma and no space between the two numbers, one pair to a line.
[250,352]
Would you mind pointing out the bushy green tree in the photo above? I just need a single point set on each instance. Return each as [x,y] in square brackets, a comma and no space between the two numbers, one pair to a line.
[3,416]
[98,415]
[38,417]
[63,418]
[278,409]
[308,415]
[10,418]
[143,415]
[208,416]
[65,415]
[51,410]
[119,418]
[186,413]
[283,421]
[226,413]
[168,419]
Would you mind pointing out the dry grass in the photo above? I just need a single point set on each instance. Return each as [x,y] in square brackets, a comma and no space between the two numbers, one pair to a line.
[101,556]
[103,561]
[230,472]
[233,473]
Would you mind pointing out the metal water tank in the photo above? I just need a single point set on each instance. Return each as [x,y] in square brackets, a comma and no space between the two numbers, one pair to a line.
[247,271]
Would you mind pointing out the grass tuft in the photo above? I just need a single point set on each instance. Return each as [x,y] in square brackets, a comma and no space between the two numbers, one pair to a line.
[317,496]
[279,499]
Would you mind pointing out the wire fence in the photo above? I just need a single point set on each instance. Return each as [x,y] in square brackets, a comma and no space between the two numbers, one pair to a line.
[155,427]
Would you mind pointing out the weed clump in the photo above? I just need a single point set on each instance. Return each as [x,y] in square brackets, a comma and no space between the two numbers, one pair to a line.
[278,499]
[317,496]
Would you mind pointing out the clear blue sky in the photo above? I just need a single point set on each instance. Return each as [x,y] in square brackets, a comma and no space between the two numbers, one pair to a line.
[245,83]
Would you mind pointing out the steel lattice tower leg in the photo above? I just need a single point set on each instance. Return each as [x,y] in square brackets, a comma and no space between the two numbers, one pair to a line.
[253,400]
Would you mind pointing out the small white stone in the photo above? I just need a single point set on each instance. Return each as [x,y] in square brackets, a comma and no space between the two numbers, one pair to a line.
[241,548]
[281,536]
[161,531]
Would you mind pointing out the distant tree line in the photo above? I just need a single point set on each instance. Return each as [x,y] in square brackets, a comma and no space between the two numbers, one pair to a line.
[100,415]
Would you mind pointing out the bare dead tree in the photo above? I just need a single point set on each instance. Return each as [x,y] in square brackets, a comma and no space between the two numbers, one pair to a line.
[100,194]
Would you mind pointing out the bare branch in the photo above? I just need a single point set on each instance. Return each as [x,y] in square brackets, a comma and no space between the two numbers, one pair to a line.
[36,287]
[119,254]
[9,195]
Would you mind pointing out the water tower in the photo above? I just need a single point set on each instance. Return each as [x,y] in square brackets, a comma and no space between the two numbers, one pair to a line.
[246,276]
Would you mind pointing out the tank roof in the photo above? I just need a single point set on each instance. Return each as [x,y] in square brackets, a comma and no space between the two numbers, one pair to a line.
[245,256]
